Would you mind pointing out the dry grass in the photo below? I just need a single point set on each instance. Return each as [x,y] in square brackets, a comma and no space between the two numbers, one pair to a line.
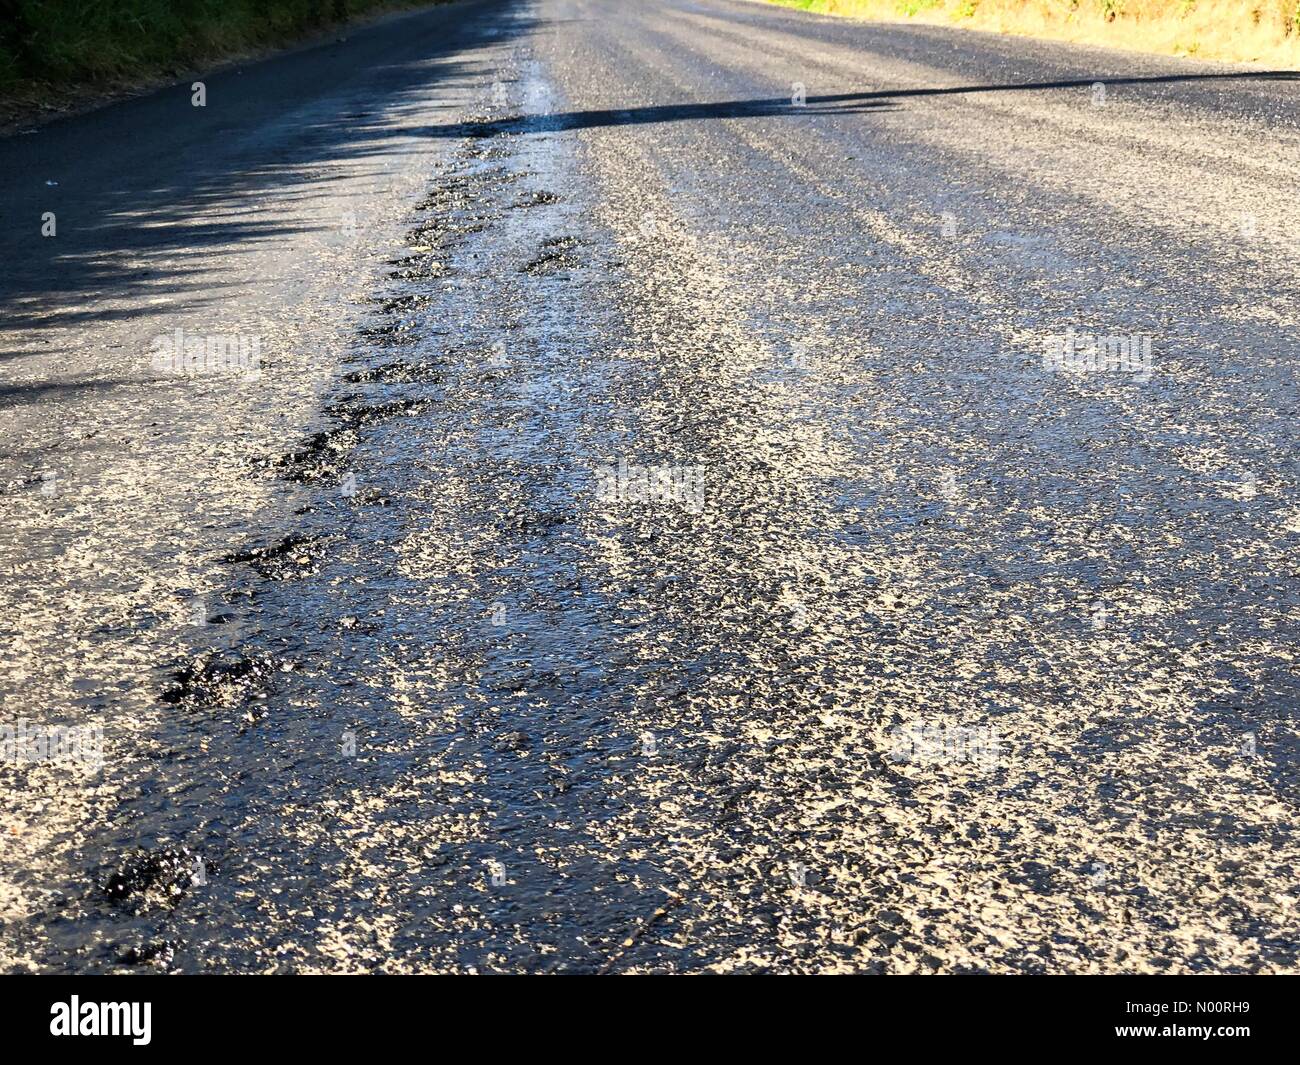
[1262,31]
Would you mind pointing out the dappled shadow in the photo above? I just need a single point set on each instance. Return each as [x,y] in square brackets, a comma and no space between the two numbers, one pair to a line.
[146,190]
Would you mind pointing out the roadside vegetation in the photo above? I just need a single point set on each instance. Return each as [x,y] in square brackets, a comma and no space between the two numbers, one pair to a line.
[1265,31]
[53,52]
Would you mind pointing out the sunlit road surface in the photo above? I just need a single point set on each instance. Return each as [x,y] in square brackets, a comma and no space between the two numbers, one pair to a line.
[666,486]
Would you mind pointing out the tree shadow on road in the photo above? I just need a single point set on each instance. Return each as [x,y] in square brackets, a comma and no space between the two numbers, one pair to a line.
[148,191]
[768,107]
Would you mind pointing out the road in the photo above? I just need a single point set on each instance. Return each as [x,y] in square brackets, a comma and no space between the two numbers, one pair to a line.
[644,528]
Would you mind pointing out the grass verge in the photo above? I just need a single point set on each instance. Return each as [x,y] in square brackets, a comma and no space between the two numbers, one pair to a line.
[1253,31]
[58,54]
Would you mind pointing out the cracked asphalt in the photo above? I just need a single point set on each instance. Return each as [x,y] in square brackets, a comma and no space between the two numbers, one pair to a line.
[649,535]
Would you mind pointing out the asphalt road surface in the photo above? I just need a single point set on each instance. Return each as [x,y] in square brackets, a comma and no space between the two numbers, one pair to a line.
[663,486]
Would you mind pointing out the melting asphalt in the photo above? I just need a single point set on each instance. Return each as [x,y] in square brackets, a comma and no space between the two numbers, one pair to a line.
[651,537]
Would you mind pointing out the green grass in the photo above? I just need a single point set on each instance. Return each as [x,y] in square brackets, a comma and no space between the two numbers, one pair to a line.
[61,45]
